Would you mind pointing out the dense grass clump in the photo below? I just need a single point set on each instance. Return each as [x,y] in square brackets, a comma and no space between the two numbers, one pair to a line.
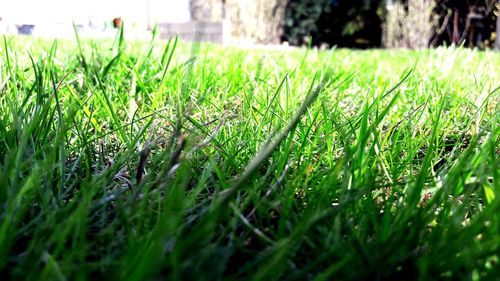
[168,160]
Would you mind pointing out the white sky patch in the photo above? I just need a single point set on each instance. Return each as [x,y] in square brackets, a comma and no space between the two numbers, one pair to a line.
[65,11]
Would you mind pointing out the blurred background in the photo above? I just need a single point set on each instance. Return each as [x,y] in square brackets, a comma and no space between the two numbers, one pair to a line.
[322,23]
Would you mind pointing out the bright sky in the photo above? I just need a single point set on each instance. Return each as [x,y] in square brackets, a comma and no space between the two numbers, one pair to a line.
[63,11]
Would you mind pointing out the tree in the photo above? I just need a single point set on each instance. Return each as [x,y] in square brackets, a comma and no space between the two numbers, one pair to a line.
[256,21]
[207,10]
[344,23]
[471,22]
[408,25]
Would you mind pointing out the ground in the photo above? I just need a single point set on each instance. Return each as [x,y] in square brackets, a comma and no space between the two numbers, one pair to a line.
[145,160]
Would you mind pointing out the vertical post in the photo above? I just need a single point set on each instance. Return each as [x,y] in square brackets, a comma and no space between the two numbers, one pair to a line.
[456,35]
[223,8]
[148,14]
[497,32]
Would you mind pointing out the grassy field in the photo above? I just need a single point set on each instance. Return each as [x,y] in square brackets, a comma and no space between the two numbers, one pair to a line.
[167,160]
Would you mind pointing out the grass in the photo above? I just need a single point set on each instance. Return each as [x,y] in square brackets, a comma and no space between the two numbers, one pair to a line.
[167,160]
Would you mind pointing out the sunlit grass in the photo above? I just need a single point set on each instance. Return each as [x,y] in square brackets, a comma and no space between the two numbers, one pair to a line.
[146,160]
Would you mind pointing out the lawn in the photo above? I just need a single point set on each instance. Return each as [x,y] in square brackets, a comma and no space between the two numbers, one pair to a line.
[125,160]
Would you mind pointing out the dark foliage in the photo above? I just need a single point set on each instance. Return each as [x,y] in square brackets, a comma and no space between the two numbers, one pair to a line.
[357,23]
[471,23]
[345,23]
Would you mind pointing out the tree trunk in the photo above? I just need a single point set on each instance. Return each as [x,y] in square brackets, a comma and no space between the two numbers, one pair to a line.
[255,21]
[206,10]
[409,27]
